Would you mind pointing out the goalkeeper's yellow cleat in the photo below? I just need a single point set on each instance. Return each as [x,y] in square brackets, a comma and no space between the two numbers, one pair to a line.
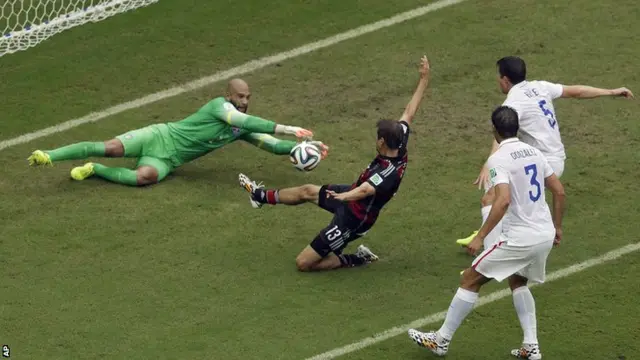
[82,172]
[466,241]
[39,157]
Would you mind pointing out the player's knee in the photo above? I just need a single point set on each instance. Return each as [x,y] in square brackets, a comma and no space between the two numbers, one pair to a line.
[113,148]
[517,281]
[147,175]
[303,264]
[465,281]
[471,280]
[309,192]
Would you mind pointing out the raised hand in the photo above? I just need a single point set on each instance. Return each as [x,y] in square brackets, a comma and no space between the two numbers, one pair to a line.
[623,92]
[424,67]
[483,178]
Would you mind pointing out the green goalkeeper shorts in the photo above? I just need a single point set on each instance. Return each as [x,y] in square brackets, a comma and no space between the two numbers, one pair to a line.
[153,146]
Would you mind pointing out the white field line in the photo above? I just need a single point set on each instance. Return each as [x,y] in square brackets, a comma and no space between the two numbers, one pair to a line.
[495,296]
[247,67]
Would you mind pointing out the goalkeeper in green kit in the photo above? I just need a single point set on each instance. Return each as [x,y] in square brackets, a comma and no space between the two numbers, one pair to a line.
[161,148]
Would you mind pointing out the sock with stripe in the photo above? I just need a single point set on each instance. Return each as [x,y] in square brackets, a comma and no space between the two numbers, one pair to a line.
[351,260]
[266,196]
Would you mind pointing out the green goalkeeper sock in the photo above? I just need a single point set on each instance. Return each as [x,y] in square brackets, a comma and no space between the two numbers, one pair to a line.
[81,150]
[117,175]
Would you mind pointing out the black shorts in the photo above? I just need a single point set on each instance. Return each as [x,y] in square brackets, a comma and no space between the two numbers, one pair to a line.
[343,228]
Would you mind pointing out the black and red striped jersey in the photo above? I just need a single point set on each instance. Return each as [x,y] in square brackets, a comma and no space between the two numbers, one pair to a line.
[385,174]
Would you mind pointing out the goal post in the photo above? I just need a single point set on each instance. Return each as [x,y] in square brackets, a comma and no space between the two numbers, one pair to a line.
[26,23]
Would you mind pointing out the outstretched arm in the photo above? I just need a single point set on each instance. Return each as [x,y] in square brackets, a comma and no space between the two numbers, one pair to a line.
[359,193]
[278,146]
[590,92]
[269,143]
[412,106]
[256,124]
[385,181]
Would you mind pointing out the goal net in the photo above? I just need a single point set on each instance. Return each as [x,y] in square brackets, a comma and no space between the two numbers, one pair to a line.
[26,23]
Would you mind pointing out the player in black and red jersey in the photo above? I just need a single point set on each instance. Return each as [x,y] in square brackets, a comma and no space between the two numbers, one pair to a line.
[355,207]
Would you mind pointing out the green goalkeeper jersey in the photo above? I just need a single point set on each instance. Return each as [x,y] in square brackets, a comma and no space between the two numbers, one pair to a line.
[214,125]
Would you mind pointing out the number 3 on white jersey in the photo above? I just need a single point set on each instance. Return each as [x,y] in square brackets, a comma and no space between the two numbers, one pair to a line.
[533,171]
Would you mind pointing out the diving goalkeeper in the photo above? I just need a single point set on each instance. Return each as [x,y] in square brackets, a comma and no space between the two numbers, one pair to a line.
[161,148]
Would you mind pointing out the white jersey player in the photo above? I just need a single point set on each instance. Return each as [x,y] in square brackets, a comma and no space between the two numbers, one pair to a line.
[520,174]
[539,127]
[533,101]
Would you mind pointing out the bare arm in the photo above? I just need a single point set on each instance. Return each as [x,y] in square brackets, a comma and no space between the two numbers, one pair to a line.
[356,194]
[557,190]
[499,208]
[590,92]
[412,106]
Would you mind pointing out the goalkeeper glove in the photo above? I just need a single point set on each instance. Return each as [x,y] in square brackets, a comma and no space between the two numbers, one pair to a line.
[324,149]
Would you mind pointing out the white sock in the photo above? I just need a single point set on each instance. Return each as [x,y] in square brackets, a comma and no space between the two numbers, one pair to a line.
[460,307]
[494,235]
[526,309]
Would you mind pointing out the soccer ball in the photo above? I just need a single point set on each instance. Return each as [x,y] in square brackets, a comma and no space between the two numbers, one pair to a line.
[305,156]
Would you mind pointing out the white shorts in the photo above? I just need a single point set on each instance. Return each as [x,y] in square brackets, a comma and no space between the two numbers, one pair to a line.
[502,260]
[557,166]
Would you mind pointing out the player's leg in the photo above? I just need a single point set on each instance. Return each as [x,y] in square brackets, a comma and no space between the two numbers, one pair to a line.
[148,171]
[525,307]
[311,258]
[308,259]
[78,151]
[130,144]
[524,303]
[137,143]
[317,257]
[326,250]
[460,307]
[289,196]
[496,262]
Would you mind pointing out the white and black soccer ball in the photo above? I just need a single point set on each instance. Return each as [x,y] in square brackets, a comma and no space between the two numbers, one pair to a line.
[305,156]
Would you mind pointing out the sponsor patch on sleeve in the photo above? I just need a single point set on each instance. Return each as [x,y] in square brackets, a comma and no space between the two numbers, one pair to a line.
[376,179]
